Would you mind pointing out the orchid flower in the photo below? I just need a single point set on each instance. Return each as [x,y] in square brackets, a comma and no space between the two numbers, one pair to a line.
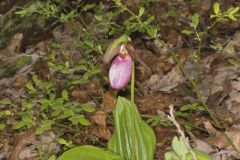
[121,69]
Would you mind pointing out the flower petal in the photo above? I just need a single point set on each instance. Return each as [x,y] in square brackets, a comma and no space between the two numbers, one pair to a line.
[120,71]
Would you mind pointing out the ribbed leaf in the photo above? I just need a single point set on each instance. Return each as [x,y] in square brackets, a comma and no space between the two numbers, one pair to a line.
[88,153]
[121,141]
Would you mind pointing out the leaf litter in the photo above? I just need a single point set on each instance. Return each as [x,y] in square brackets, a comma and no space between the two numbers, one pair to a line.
[219,84]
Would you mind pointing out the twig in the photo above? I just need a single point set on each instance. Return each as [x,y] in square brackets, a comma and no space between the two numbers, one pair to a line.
[171,117]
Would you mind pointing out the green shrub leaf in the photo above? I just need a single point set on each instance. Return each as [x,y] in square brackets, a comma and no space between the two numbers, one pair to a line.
[121,141]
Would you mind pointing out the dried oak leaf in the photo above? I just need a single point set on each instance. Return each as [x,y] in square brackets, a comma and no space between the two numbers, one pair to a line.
[20,141]
[100,119]
[108,102]
[167,82]
[19,82]
[218,138]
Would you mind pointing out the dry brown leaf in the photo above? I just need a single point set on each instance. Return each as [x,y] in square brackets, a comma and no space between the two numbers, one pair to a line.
[234,135]
[41,69]
[27,154]
[108,102]
[19,82]
[233,97]
[100,119]
[219,140]
[15,43]
[104,133]
[167,82]
[86,92]
[47,137]
[20,141]
[132,2]
[200,144]
[157,103]
[216,137]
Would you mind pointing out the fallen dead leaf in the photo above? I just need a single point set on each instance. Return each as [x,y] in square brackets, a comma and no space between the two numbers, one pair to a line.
[200,144]
[157,103]
[15,43]
[47,137]
[27,154]
[108,102]
[167,82]
[233,97]
[20,141]
[86,92]
[41,69]
[219,140]
[19,82]
[100,118]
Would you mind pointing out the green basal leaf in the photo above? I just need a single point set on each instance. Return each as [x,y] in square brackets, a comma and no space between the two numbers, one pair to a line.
[88,153]
[53,157]
[121,141]
[199,155]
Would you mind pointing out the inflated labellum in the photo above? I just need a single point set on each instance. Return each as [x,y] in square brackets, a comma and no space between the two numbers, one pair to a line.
[120,71]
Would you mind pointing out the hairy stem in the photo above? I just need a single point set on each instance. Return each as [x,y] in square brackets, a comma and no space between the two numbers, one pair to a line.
[133,112]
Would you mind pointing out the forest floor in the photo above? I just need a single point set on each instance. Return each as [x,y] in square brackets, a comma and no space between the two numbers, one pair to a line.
[58,68]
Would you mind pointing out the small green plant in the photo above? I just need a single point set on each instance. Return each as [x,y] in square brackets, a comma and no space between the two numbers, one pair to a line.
[194,28]
[135,22]
[183,112]
[67,144]
[132,138]
[6,114]
[218,16]
[86,67]
[181,147]
[156,120]
[181,152]
[231,13]
[49,9]
[42,108]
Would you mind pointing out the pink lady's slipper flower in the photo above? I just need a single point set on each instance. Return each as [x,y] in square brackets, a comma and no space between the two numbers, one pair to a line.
[121,69]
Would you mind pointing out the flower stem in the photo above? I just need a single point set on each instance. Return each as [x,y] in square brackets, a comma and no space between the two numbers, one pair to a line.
[133,112]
